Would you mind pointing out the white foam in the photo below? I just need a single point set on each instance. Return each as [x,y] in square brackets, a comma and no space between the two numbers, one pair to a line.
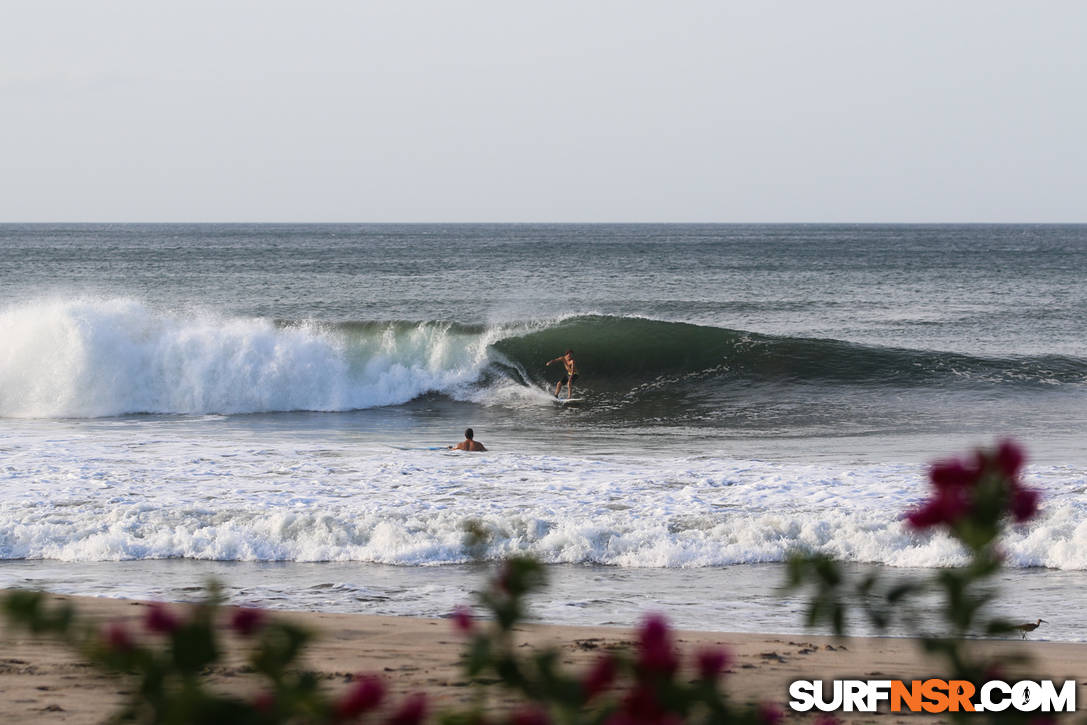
[138,491]
[90,358]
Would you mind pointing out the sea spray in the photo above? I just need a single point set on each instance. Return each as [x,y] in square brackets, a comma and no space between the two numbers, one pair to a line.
[93,358]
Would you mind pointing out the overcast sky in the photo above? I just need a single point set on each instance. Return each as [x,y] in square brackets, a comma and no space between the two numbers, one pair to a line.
[546,111]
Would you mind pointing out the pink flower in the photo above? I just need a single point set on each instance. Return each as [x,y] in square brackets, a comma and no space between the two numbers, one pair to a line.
[264,701]
[247,621]
[953,473]
[160,619]
[711,662]
[946,507]
[462,619]
[770,713]
[656,653]
[1024,504]
[654,631]
[641,703]
[599,677]
[955,480]
[925,517]
[117,638]
[1010,458]
[660,660]
[411,711]
[366,694]
[530,716]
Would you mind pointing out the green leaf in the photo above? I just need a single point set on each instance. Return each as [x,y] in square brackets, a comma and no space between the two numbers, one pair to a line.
[479,656]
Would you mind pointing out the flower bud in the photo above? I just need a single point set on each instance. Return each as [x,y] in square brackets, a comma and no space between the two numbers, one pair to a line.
[711,662]
[953,473]
[656,653]
[247,621]
[264,701]
[1024,504]
[530,716]
[366,694]
[116,638]
[411,711]
[946,507]
[462,619]
[160,619]
[770,713]
[599,677]
[1009,458]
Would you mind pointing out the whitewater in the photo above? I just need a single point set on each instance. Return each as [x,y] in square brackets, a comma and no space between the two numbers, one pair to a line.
[166,492]
[117,356]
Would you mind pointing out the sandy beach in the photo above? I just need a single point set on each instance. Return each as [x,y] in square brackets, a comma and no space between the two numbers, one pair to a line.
[40,681]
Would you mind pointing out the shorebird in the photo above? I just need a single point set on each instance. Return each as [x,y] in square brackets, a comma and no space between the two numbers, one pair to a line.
[1028,627]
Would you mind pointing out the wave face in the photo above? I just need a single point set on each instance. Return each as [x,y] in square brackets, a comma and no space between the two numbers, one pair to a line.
[95,358]
[618,350]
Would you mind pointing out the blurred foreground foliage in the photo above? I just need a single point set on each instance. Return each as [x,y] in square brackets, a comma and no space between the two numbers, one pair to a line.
[972,499]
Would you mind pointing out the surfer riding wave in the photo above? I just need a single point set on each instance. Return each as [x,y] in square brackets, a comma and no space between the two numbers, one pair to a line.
[567,359]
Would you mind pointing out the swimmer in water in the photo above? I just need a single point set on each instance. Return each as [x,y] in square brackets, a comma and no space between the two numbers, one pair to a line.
[469,443]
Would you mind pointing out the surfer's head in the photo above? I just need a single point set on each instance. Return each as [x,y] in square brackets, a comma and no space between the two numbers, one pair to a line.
[569,353]
[468,433]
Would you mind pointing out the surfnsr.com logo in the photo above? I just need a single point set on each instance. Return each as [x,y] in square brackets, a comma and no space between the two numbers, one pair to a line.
[933,696]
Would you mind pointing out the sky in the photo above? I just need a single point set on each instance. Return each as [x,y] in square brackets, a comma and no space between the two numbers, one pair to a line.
[510,111]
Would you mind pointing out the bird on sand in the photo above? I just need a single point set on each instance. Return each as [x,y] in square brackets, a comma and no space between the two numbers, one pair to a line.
[1028,627]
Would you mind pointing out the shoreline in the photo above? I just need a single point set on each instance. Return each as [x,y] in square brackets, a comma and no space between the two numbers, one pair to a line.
[41,681]
[738,598]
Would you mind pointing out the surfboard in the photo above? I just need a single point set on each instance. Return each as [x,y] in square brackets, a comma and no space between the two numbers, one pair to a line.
[570,401]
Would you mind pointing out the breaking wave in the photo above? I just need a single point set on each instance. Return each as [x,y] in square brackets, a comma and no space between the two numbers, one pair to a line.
[94,358]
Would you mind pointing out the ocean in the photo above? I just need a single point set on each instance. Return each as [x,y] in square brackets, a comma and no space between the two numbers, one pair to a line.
[269,405]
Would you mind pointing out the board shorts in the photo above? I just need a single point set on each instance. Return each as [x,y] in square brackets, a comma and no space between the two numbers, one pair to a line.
[568,379]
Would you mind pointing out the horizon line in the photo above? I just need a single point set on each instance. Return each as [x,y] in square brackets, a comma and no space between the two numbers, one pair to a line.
[563,223]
